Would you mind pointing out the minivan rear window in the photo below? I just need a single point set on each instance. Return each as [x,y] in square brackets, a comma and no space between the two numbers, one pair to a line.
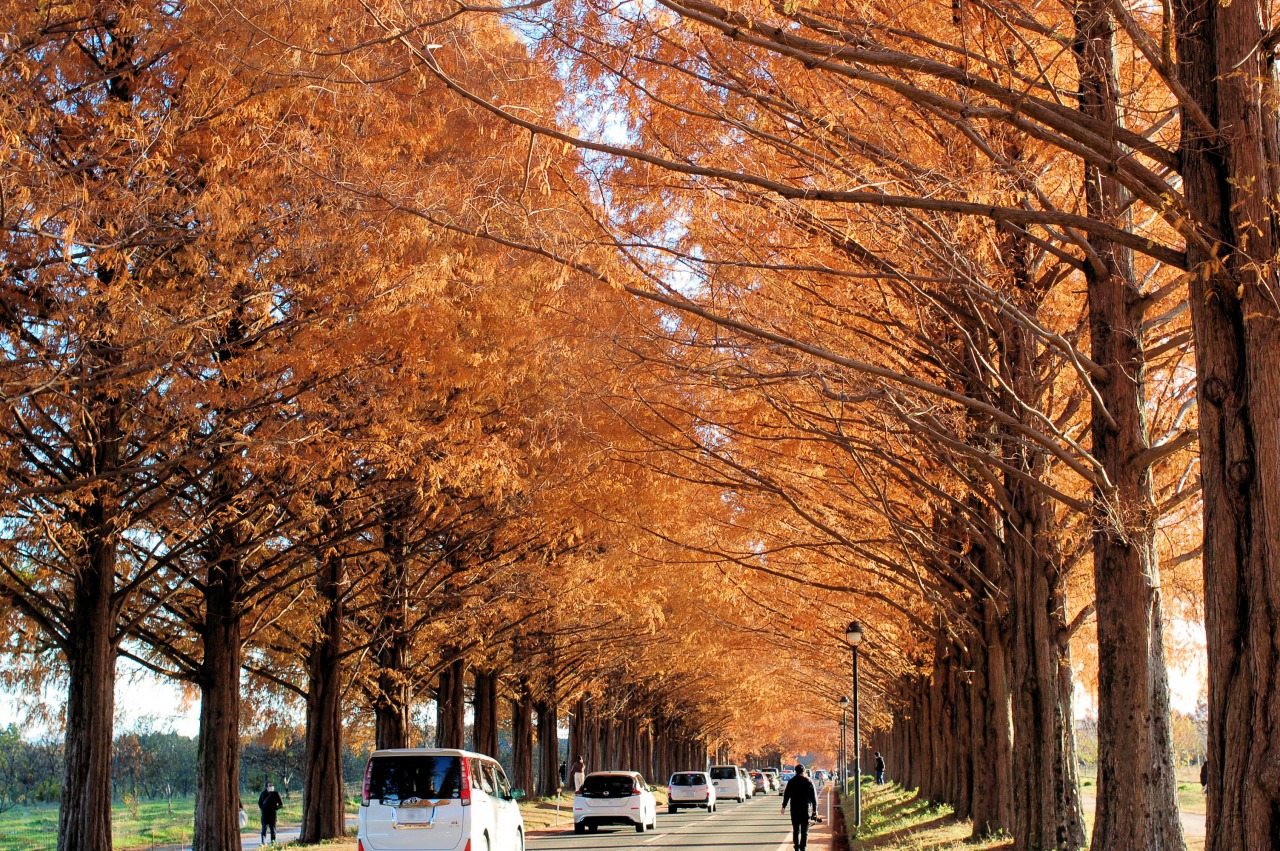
[687,780]
[728,772]
[398,778]
[607,786]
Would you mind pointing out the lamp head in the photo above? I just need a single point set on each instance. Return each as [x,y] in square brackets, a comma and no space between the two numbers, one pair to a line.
[854,634]
[844,700]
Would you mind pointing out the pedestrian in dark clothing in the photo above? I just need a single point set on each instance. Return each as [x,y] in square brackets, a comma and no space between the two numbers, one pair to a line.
[269,803]
[803,799]
[879,769]
[564,767]
[1204,777]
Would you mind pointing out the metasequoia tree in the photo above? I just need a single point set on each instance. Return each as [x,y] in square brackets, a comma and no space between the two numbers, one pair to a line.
[107,238]
[1067,111]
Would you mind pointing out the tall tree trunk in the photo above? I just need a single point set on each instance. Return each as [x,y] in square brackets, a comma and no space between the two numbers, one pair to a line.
[548,748]
[393,699]
[485,716]
[323,809]
[1225,62]
[451,706]
[522,739]
[992,728]
[84,817]
[1047,812]
[1137,791]
[217,822]
[577,739]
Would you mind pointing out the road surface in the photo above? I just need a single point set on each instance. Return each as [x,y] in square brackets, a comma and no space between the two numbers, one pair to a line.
[755,825]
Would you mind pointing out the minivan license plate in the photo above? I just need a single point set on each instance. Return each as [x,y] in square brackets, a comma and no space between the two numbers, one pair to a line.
[416,816]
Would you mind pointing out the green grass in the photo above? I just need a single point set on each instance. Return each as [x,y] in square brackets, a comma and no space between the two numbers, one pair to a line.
[898,819]
[138,826]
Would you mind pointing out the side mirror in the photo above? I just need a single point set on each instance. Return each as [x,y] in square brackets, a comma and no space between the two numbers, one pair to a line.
[517,794]
[653,788]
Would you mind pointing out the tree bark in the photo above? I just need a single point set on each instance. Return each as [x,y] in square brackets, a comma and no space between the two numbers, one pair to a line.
[485,715]
[323,810]
[1225,62]
[522,739]
[451,706]
[217,817]
[84,817]
[1047,812]
[392,702]
[1137,791]
[548,748]
[992,727]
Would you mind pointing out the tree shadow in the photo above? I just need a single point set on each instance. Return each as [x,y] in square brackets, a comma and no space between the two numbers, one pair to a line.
[894,836]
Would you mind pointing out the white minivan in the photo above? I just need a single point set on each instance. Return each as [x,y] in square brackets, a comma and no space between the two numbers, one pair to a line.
[438,799]
[727,780]
[614,797]
[691,789]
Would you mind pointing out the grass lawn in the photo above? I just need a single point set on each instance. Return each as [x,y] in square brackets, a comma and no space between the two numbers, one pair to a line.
[895,818]
[143,825]
[1190,798]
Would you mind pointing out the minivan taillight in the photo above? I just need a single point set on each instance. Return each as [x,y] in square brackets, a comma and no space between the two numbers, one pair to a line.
[364,790]
[466,784]
[636,790]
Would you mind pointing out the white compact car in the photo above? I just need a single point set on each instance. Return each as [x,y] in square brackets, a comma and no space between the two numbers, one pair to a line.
[429,799]
[691,789]
[727,780]
[746,782]
[614,797]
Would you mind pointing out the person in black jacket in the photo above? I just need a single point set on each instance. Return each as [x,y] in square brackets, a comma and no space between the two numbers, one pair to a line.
[803,799]
[879,769]
[269,803]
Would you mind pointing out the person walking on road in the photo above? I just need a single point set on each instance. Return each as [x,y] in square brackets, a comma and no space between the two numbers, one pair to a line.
[579,773]
[879,769]
[269,803]
[803,799]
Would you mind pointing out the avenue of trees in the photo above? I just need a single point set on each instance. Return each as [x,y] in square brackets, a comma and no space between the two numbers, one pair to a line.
[586,362]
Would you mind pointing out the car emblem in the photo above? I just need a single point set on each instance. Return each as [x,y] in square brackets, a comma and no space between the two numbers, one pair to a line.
[409,802]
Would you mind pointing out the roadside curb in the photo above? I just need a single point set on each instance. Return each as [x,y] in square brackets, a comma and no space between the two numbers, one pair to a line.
[839,838]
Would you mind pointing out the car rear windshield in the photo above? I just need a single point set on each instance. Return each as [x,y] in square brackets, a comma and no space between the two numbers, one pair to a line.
[607,786]
[687,780]
[724,773]
[398,778]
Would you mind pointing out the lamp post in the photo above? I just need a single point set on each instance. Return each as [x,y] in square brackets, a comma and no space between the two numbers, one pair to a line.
[843,770]
[854,636]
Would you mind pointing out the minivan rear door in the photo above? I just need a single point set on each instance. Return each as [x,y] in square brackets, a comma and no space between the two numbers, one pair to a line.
[415,803]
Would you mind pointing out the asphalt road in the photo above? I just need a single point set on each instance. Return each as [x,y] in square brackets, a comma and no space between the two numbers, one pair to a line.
[755,825]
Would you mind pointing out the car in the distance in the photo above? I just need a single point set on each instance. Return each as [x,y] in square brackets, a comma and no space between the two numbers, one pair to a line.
[423,799]
[774,779]
[727,780]
[691,789]
[787,774]
[614,797]
[747,785]
[759,783]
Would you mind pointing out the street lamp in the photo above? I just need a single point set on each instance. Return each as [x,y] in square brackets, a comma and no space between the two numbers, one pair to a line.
[854,636]
[843,772]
